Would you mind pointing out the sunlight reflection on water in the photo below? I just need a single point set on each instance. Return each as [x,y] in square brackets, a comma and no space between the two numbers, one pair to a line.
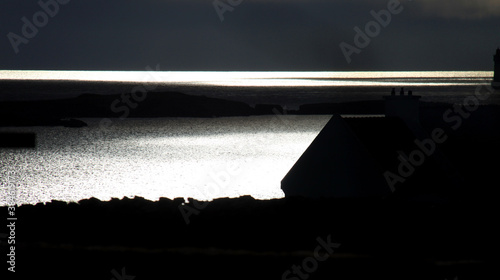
[161,158]
[261,78]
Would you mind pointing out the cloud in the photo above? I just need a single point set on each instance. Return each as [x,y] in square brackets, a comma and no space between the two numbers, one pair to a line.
[450,9]
[459,9]
[256,35]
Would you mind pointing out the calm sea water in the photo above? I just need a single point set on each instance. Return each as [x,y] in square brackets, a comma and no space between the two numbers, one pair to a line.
[189,157]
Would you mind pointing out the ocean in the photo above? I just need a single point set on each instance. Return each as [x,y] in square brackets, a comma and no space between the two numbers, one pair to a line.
[191,157]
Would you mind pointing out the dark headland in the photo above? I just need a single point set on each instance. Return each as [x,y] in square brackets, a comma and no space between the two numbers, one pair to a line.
[68,111]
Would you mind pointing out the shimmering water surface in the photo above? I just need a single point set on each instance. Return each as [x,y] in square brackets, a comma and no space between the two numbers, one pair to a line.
[200,158]
[177,157]
[266,79]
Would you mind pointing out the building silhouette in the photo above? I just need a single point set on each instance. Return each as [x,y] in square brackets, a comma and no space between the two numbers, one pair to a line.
[496,78]
[352,154]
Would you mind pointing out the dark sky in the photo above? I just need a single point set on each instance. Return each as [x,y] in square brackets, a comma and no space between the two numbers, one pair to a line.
[255,35]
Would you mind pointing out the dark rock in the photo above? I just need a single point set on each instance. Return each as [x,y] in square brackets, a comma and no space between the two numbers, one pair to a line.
[91,202]
[73,123]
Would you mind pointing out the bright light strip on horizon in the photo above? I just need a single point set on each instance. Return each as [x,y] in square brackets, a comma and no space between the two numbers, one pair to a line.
[313,83]
[251,79]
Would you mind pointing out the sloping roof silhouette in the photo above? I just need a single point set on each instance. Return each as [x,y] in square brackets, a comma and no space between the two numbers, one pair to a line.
[349,156]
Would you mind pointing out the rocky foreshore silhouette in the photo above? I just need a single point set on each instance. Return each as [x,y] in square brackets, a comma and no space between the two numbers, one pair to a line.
[245,238]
